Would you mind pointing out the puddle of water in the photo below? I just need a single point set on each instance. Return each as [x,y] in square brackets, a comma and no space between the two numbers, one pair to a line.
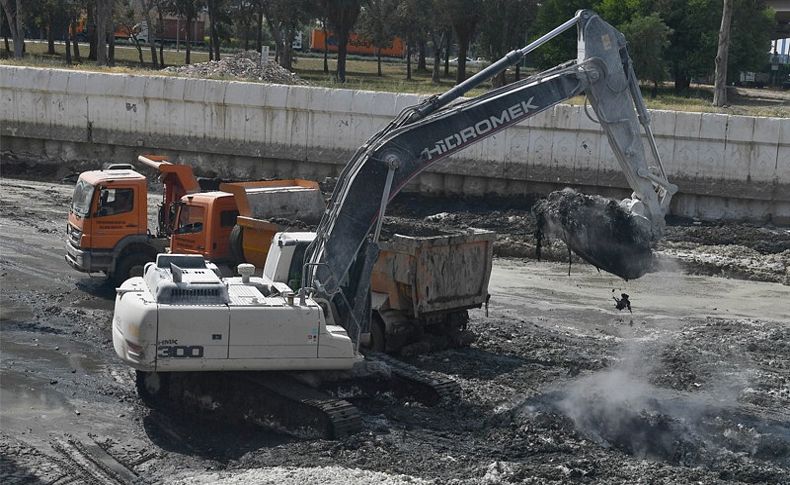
[66,356]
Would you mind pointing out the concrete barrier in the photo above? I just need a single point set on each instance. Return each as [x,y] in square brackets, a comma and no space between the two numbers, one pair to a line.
[733,167]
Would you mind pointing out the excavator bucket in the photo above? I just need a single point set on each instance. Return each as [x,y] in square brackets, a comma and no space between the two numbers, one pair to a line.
[599,230]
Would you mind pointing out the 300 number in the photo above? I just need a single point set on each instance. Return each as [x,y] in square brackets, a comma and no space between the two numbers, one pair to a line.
[180,351]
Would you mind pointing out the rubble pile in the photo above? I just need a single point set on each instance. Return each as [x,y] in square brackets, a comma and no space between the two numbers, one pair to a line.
[244,65]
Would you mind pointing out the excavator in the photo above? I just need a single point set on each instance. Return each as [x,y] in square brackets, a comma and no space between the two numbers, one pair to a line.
[181,324]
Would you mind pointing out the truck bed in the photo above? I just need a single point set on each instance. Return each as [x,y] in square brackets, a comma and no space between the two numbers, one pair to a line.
[435,274]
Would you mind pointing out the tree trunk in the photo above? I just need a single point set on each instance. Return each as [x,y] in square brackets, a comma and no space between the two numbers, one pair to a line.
[518,72]
[214,35]
[342,52]
[326,48]
[90,26]
[378,60]
[188,50]
[278,38]
[111,46]
[499,80]
[103,14]
[67,39]
[151,39]
[408,61]
[160,27]
[16,26]
[654,91]
[449,35]
[463,48]
[422,65]
[19,40]
[51,32]
[720,87]
[75,42]
[139,50]
[682,82]
[259,33]
[287,49]
[438,43]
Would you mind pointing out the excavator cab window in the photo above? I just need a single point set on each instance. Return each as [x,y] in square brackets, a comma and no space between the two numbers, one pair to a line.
[295,269]
[190,219]
[115,201]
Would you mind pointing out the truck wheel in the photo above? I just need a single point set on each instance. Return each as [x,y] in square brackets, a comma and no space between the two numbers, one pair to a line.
[378,338]
[130,266]
[151,386]
[237,244]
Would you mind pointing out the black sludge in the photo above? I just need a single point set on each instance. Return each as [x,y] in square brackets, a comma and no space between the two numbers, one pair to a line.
[598,230]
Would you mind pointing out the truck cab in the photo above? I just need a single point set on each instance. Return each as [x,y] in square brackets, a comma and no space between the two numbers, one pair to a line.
[204,225]
[108,221]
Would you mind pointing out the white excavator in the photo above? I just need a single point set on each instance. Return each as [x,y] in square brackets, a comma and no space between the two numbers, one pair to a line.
[181,319]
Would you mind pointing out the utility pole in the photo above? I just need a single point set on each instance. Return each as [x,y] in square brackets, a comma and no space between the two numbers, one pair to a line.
[720,87]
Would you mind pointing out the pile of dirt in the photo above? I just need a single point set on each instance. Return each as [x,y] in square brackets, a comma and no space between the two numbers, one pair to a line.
[244,65]
[598,230]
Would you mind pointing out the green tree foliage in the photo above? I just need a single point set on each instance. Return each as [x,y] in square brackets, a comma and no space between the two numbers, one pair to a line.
[695,25]
[648,39]
[375,24]
[551,14]
[342,16]
[464,16]
[505,28]
[752,25]
[411,23]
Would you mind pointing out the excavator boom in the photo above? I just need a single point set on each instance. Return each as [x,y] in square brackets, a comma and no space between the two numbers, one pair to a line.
[345,247]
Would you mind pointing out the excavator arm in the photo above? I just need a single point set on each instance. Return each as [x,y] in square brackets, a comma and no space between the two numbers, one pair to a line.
[345,249]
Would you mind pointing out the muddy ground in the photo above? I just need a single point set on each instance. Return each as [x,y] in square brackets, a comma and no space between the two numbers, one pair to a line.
[560,387]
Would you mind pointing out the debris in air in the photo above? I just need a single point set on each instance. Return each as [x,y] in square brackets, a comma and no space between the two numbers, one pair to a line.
[598,230]
[623,302]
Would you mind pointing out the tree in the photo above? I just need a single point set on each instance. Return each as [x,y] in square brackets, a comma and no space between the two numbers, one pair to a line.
[188,9]
[720,88]
[464,16]
[284,18]
[439,32]
[753,22]
[146,6]
[504,28]
[563,47]
[411,23]
[648,39]
[695,26]
[342,15]
[128,21]
[215,8]
[103,18]
[376,26]
[14,18]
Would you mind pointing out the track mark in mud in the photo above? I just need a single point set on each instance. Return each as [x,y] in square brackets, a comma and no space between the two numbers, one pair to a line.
[90,463]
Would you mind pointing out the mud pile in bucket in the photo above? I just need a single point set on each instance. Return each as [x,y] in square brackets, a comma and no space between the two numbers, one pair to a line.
[598,230]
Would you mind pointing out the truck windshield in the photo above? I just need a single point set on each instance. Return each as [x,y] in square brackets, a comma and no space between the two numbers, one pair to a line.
[81,201]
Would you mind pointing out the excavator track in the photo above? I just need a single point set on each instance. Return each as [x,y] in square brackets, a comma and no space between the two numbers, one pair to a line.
[302,408]
[430,388]
[270,399]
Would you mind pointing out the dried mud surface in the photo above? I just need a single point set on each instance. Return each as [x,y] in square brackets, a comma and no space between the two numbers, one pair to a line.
[560,387]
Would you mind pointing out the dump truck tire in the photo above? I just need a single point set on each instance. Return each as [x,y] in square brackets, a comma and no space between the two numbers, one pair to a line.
[129,266]
[237,245]
[378,334]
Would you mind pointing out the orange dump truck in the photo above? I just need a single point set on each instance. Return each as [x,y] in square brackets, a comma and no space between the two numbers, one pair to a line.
[108,232]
